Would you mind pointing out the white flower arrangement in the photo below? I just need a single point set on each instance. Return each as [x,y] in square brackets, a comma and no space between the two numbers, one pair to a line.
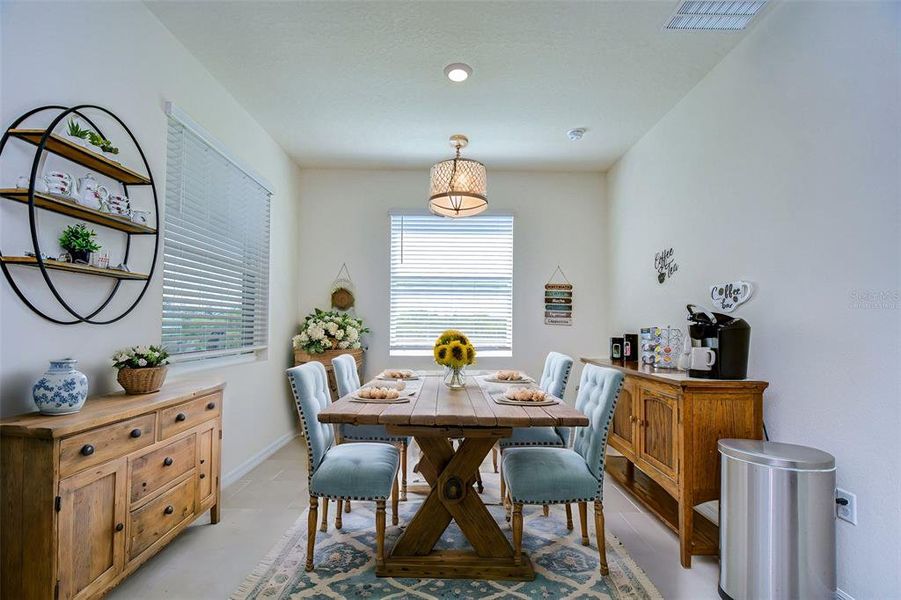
[139,357]
[329,330]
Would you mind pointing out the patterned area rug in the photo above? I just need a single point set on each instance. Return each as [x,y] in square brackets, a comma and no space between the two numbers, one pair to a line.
[345,563]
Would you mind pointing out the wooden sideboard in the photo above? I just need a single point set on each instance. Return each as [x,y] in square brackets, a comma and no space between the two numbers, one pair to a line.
[88,497]
[301,357]
[667,425]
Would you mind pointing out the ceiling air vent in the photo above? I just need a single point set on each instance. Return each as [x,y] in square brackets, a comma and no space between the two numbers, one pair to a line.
[714,16]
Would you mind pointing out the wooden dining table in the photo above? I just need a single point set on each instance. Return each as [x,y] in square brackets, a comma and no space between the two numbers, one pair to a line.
[434,416]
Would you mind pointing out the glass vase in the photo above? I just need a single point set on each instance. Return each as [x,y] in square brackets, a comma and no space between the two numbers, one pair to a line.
[455,379]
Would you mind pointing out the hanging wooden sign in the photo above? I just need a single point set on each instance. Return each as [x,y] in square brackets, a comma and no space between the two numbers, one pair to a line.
[343,290]
[558,301]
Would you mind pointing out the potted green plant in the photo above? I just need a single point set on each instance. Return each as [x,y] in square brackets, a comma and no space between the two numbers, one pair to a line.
[142,369]
[79,242]
[77,133]
[104,144]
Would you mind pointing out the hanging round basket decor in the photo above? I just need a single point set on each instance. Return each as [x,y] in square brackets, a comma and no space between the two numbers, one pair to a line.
[343,290]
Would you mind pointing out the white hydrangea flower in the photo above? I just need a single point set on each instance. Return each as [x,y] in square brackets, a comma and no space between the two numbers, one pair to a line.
[142,362]
[304,338]
[141,350]
[352,334]
[332,327]
[356,345]
[343,344]
[339,334]
[316,333]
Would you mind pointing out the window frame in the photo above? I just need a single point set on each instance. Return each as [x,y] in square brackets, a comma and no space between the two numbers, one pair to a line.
[498,353]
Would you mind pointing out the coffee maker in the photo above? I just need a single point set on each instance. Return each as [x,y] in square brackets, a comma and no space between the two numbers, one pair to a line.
[728,337]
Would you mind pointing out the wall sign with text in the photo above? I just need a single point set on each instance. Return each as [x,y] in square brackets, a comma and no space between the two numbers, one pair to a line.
[558,304]
[665,264]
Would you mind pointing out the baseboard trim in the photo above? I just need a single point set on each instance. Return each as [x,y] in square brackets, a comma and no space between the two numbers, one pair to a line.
[248,465]
[842,595]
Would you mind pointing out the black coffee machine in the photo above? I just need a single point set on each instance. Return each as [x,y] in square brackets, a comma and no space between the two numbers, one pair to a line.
[728,337]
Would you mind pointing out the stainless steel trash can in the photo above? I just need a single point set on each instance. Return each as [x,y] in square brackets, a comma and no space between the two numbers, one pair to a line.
[777,521]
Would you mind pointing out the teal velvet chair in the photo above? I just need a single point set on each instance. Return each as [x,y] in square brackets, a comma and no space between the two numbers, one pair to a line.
[358,471]
[547,475]
[553,380]
[348,380]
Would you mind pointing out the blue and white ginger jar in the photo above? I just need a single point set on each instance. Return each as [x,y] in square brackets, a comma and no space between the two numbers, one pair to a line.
[62,390]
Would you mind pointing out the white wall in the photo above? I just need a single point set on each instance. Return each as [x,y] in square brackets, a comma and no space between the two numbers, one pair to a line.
[781,167]
[558,219]
[118,55]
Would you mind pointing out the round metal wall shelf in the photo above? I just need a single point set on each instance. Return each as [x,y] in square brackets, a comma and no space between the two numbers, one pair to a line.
[45,140]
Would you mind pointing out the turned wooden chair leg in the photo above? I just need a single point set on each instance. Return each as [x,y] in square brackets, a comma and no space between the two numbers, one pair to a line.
[338,523]
[599,532]
[394,488]
[517,533]
[545,509]
[324,527]
[583,521]
[347,505]
[494,458]
[379,532]
[403,471]
[569,517]
[312,518]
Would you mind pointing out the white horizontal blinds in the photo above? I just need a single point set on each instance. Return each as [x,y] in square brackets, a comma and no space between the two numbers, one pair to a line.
[216,252]
[451,274]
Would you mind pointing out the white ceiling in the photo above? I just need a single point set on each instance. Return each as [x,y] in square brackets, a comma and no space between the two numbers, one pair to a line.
[346,83]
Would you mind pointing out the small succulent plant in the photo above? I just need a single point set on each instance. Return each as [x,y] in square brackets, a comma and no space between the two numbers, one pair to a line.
[78,238]
[75,130]
[101,142]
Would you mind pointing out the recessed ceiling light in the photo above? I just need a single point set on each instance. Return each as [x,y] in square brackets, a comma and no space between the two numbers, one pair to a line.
[457,72]
[576,134]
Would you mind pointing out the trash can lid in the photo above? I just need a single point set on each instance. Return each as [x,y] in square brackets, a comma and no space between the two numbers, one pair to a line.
[775,454]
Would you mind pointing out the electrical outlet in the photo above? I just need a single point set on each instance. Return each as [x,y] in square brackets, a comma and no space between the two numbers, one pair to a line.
[846,506]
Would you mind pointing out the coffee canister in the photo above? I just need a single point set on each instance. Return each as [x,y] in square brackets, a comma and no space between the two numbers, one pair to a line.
[616,348]
[630,347]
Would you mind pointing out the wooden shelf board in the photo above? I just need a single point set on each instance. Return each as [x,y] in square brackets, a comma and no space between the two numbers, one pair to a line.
[66,206]
[56,265]
[87,158]
[705,539]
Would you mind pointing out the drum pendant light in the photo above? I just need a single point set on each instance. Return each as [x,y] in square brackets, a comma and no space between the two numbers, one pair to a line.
[458,186]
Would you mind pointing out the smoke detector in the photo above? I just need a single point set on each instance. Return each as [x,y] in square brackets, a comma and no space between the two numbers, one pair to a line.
[576,134]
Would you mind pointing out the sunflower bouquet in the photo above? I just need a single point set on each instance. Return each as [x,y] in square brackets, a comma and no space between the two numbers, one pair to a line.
[454,351]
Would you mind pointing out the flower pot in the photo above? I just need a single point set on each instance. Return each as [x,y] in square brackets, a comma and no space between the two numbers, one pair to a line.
[141,381]
[62,389]
[80,256]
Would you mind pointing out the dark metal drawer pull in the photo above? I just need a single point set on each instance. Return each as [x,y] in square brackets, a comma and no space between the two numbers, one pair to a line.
[167,461]
[169,510]
[135,433]
[181,417]
[87,450]
[211,406]
[202,476]
[119,526]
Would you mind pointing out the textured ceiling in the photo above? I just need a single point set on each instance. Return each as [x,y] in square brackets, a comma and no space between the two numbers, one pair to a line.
[345,83]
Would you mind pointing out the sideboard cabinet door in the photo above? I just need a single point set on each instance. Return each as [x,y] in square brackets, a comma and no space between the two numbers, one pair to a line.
[622,430]
[658,431]
[92,513]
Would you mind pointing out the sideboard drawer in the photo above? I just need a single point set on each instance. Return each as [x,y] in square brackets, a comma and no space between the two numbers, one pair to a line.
[158,517]
[104,443]
[155,469]
[182,417]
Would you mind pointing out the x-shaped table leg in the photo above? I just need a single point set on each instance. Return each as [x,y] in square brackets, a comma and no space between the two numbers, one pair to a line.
[451,476]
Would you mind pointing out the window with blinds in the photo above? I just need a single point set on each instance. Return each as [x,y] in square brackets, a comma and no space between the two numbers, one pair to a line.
[216,252]
[451,274]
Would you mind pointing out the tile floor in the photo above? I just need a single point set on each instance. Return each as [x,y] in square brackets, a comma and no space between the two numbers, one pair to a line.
[209,562]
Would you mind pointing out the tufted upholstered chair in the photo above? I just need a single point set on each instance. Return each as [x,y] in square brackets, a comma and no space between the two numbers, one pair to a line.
[545,475]
[553,380]
[348,380]
[359,471]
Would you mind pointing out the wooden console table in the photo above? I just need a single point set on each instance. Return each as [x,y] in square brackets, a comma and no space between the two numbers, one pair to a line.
[667,424]
[89,497]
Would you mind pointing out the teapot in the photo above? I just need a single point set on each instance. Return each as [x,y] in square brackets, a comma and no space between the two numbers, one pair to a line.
[89,193]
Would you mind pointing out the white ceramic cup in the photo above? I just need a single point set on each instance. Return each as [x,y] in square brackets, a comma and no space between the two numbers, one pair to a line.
[702,359]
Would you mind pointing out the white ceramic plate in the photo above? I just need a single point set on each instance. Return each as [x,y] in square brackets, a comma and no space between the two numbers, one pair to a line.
[382,377]
[501,399]
[401,400]
[493,379]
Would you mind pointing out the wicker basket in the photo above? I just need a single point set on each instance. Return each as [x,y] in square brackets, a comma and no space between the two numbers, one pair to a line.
[326,357]
[141,381]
